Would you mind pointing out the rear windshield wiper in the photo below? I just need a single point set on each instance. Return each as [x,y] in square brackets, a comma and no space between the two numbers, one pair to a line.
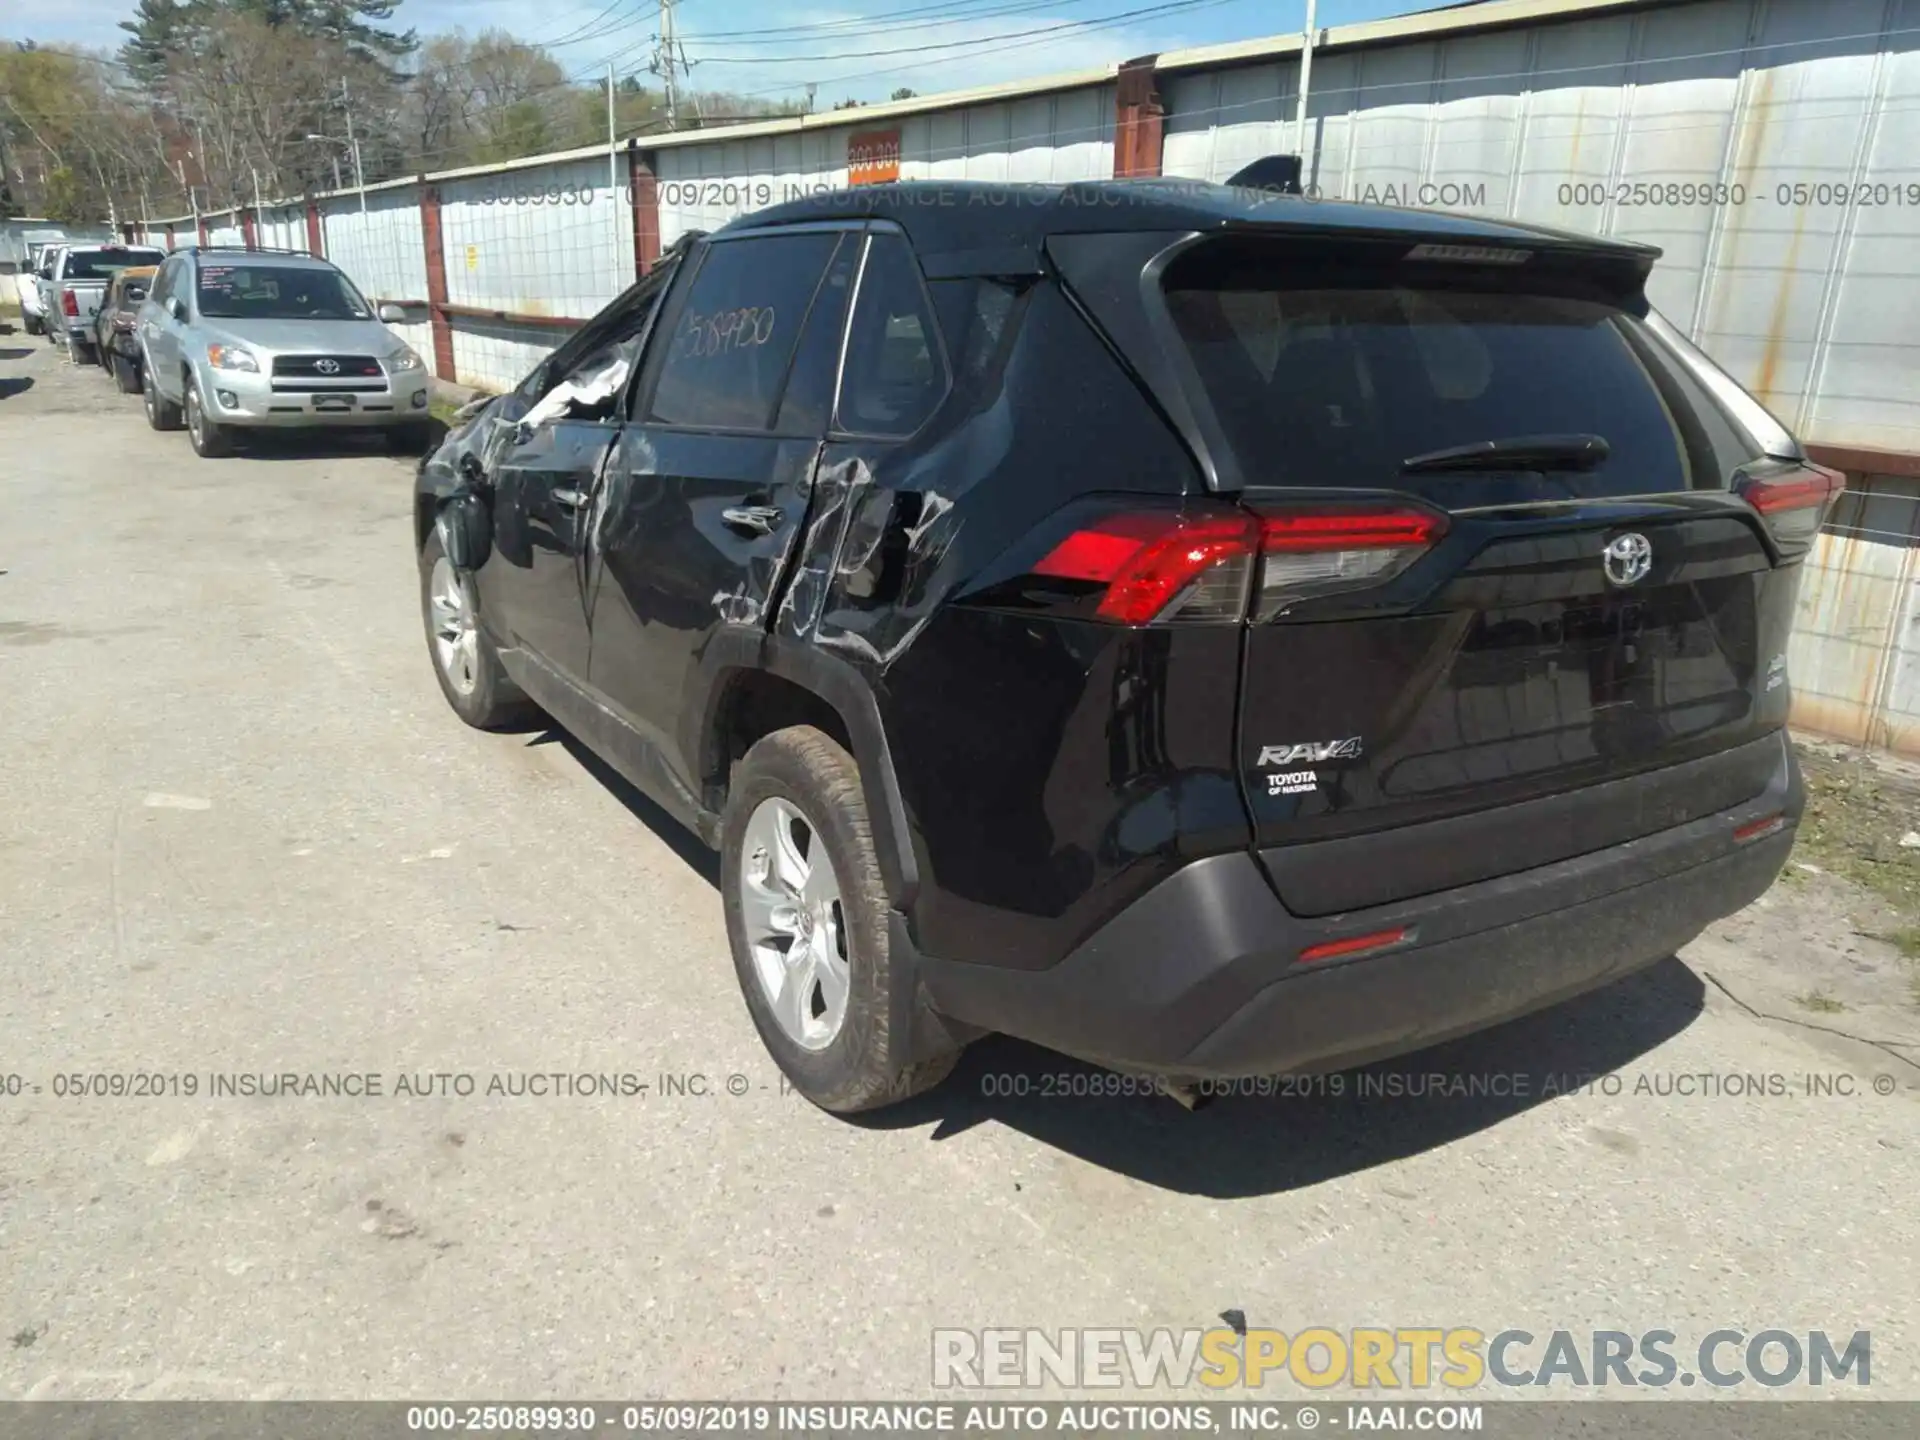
[1517,452]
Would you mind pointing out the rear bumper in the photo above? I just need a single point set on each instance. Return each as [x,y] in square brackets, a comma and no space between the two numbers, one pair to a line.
[1200,977]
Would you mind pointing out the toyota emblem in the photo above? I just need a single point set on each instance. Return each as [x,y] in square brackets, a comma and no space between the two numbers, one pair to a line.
[1628,558]
[332,367]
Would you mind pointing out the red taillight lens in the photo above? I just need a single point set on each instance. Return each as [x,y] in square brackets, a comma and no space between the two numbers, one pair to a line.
[1794,502]
[1197,566]
[69,305]
[1171,565]
[1317,552]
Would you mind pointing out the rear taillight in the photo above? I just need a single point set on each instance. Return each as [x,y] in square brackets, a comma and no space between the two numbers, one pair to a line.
[68,305]
[1794,502]
[1191,566]
[1317,552]
[1204,566]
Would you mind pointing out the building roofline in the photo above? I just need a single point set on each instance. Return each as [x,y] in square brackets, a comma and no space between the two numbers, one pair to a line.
[1397,29]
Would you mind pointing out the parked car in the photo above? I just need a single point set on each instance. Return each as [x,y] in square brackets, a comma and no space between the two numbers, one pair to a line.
[74,284]
[239,340]
[115,343]
[40,267]
[1208,633]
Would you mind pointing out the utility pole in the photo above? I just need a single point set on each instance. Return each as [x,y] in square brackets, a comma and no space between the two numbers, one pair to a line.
[193,200]
[613,173]
[666,57]
[336,173]
[353,144]
[1308,36]
[256,205]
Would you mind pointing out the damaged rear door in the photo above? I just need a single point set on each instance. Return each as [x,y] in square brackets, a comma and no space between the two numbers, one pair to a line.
[709,485]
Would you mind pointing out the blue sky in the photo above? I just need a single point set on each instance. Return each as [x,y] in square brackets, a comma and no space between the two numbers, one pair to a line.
[952,43]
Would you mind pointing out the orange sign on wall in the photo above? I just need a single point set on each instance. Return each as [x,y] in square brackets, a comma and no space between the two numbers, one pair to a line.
[873,156]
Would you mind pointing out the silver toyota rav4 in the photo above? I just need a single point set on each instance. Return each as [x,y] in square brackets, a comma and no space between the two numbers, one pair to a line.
[237,340]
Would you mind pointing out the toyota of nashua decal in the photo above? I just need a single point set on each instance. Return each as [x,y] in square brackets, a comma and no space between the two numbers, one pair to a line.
[1284,781]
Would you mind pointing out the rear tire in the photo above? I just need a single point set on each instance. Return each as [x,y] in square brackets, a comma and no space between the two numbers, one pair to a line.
[465,661]
[35,326]
[126,375]
[162,413]
[210,440]
[819,988]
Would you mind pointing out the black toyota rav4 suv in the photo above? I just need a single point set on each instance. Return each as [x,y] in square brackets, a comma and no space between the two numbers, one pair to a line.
[1202,631]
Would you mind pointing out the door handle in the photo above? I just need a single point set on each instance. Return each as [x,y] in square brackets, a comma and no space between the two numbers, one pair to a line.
[572,499]
[755,519]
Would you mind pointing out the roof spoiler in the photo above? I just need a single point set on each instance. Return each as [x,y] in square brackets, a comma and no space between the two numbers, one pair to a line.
[1276,174]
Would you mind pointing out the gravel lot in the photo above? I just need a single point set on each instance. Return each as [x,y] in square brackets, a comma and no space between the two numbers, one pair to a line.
[241,834]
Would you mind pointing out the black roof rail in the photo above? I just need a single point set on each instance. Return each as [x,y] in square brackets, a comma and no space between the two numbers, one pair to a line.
[242,250]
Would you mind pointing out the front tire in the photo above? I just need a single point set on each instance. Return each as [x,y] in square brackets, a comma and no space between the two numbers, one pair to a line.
[210,440]
[807,915]
[162,413]
[465,661]
[34,324]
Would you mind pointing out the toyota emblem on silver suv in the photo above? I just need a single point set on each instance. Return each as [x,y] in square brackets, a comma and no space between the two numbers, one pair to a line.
[332,367]
[1628,558]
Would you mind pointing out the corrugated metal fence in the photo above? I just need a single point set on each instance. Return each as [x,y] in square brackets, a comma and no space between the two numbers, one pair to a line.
[1770,147]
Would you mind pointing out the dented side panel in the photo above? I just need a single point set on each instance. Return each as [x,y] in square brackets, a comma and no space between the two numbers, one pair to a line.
[677,555]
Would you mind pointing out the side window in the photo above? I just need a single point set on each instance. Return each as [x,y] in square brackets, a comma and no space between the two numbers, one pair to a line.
[163,282]
[725,362]
[896,373]
[809,396]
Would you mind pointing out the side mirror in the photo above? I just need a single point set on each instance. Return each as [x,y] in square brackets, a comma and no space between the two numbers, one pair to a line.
[176,307]
[392,314]
[470,468]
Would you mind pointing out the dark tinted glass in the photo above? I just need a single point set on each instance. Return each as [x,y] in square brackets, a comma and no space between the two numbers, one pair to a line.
[726,359]
[1338,384]
[278,292]
[105,264]
[816,363]
[895,373]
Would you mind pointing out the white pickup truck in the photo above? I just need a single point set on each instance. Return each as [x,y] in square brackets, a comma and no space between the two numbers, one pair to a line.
[72,287]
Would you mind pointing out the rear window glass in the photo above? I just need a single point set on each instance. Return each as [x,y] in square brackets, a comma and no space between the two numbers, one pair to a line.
[1338,379]
[105,264]
[278,292]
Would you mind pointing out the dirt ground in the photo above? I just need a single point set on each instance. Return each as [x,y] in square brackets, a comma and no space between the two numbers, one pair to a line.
[1835,945]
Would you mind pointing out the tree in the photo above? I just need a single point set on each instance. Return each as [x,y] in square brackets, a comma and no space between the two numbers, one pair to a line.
[77,146]
[905,92]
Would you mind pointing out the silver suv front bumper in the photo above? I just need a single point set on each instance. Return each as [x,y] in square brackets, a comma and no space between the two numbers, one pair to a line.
[240,397]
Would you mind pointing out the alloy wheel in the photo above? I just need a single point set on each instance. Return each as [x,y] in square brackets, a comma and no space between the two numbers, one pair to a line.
[795,923]
[455,639]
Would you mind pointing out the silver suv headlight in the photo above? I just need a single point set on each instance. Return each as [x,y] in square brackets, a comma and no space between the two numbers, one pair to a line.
[403,359]
[232,357]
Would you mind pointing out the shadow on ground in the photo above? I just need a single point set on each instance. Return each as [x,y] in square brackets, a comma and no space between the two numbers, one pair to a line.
[11,385]
[323,444]
[1302,1130]
[683,842]
[1310,1129]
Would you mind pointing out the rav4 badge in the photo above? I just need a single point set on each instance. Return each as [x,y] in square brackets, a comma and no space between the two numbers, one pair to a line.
[1312,752]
